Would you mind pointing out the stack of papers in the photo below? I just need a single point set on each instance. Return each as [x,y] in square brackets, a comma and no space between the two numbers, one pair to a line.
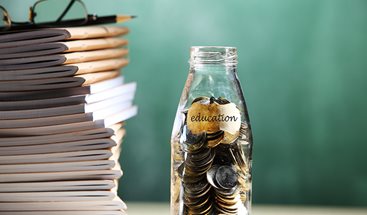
[63,104]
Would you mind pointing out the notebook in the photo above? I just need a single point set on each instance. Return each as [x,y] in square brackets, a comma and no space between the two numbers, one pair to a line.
[64,70]
[59,176]
[89,155]
[57,196]
[48,35]
[105,212]
[59,138]
[57,186]
[66,128]
[64,92]
[51,147]
[57,167]
[127,90]
[71,206]
[63,110]
[61,47]
[60,59]
[67,119]
[57,83]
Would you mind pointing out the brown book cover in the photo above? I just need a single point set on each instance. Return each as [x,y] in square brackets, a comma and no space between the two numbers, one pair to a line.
[61,47]
[47,35]
[60,59]
[63,70]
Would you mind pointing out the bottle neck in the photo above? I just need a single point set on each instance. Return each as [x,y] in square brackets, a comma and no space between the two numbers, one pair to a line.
[213,55]
[213,74]
[211,60]
[212,69]
[217,80]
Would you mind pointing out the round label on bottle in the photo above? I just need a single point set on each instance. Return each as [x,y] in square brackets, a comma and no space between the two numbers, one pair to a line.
[214,116]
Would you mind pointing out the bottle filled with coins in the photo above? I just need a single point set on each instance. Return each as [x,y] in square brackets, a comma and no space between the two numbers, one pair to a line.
[211,140]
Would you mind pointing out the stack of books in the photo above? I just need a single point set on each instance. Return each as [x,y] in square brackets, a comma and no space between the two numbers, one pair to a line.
[63,103]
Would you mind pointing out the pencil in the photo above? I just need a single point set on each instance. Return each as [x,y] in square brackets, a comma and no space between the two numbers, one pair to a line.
[91,20]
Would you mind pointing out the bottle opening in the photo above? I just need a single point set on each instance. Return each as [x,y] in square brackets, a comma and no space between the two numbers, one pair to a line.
[213,55]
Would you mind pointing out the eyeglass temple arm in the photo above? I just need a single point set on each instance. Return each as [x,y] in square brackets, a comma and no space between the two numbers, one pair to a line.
[65,11]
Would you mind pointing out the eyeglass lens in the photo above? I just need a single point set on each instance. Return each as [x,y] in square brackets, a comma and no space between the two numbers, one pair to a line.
[4,19]
[49,11]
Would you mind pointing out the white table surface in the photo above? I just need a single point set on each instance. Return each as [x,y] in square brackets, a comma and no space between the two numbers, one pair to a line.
[135,208]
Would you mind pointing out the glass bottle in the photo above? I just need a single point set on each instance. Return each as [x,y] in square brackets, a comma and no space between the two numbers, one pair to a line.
[211,143]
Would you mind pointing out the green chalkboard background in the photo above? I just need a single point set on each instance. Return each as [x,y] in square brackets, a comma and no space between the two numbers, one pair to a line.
[303,68]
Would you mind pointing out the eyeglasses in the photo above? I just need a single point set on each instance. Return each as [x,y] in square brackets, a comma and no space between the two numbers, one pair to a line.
[49,13]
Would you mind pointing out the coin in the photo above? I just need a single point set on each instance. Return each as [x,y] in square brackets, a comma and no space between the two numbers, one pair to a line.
[204,207]
[239,158]
[195,189]
[229,138]
[197,197]
[227,201]
[226,177]
[191,177]
[210,175]
[193,138]
[199,99]
[222,101]
[215,139]
[192,141]
[198,155]
[214,168]
[222,155]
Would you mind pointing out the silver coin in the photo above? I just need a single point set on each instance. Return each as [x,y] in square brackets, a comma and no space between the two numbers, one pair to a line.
[226,177]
